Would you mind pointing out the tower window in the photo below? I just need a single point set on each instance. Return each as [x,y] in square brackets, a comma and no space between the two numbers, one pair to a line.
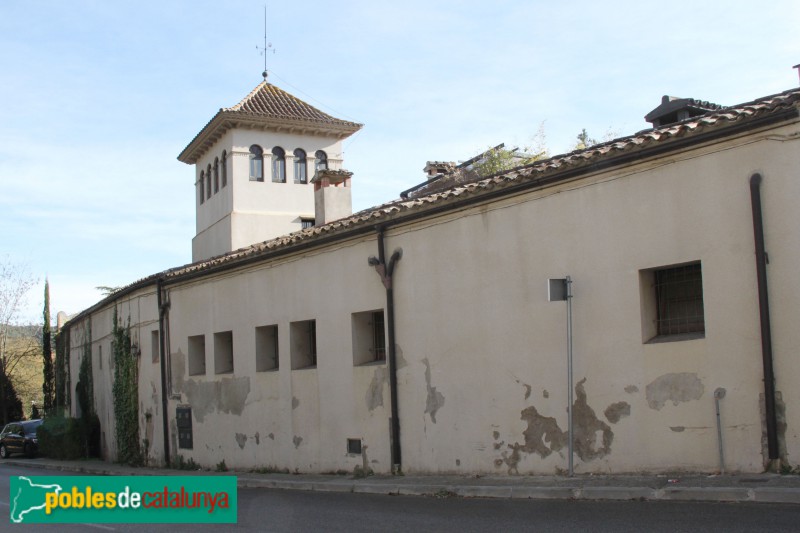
[322,160]
[208,182]
[200,187]
[224,168]
[216,175]
[278,165]
[300,166]
[256,163]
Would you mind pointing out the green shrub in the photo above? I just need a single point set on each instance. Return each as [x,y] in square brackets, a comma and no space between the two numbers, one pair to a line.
[69,438]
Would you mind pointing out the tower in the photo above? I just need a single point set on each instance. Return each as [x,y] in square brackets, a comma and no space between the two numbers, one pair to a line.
[254,163]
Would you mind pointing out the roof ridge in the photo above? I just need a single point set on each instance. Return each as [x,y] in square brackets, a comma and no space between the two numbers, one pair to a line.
[238,106]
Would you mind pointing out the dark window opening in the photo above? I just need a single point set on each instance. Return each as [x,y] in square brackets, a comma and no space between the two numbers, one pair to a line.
[278,165]
[256,163]
[679,300]
[300,166]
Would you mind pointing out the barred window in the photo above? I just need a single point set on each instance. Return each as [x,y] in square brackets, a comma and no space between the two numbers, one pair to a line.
[679,300]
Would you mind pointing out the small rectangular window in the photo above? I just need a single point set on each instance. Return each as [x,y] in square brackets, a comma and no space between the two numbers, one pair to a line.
[306,223]
[223,352]
[266,348]
[672,303]
[303,339]
[197,355]
[354,446]
[369,337]
[100,355]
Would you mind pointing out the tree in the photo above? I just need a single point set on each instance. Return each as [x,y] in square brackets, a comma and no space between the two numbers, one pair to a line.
[584,141]
[499,159]
[15,282]
[48,386]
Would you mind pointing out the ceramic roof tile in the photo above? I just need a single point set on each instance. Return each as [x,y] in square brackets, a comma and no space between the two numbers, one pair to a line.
[267,100]
[538,170]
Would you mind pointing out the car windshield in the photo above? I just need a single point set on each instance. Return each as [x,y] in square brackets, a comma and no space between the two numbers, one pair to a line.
[30,427]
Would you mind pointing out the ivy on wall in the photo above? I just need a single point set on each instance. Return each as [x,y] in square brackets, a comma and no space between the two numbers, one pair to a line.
[126,394]
[62,392]
[84,390]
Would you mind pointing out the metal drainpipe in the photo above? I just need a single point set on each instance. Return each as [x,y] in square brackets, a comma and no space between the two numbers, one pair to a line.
[162,310]
[763,308]
[385,272]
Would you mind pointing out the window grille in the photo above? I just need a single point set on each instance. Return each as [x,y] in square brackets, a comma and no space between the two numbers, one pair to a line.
[679,300]
[378,336]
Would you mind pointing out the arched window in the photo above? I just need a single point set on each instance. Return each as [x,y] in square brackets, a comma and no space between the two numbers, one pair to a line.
[278,165]
[208,182]
[216,175]
[300,166]
[256,163]
[322,160]
[224,168]
[201,185]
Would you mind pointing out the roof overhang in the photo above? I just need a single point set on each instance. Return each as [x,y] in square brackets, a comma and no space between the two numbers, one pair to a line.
[226,120]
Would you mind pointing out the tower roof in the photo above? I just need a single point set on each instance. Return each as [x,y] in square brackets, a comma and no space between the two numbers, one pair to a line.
[267,107]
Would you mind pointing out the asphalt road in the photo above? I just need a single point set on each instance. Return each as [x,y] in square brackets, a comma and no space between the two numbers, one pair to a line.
[276,510]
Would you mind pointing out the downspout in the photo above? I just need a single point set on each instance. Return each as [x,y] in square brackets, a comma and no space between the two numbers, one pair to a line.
[766,331]
[385,272]
[162,311]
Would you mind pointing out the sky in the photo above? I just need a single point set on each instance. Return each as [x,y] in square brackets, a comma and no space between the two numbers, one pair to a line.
[98,98]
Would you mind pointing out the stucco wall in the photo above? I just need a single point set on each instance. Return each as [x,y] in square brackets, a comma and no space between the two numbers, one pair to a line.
[482,353]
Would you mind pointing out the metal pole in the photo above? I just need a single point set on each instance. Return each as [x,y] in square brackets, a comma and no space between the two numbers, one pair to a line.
[718,395]
[569,370]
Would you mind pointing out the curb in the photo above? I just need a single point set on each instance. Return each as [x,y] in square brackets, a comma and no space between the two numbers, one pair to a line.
[780,495]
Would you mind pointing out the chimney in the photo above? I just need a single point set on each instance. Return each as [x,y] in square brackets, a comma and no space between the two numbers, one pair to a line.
[674,109]
[332,199]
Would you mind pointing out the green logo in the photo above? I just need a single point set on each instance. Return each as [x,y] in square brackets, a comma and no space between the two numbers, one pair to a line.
[123,499]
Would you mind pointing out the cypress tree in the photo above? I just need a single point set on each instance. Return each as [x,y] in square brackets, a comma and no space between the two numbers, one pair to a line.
[48,386]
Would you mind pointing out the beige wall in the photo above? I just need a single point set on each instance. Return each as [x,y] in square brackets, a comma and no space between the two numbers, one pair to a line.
[481,353]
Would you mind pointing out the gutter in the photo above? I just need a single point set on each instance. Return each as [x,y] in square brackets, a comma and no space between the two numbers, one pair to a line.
[385,272]
[762,259]
[163,308]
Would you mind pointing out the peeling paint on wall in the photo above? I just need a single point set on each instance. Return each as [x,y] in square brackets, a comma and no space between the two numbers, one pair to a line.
[241,439]
[257,436]
[617,411]
[545,394]
[780,414]
[543,436]
[295,402]
[630,389]
[226,395]
[154,397]
[271,436]
[374,397]
[435,399]
[540,431]
[178,363]
[297,440]
[526,386]
[588,429]
[677,388]
[678,429]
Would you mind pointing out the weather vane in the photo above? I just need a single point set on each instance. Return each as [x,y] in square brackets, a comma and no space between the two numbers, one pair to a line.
[267,46]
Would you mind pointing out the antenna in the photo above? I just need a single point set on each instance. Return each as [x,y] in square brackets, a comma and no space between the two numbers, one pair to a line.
[267,46]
